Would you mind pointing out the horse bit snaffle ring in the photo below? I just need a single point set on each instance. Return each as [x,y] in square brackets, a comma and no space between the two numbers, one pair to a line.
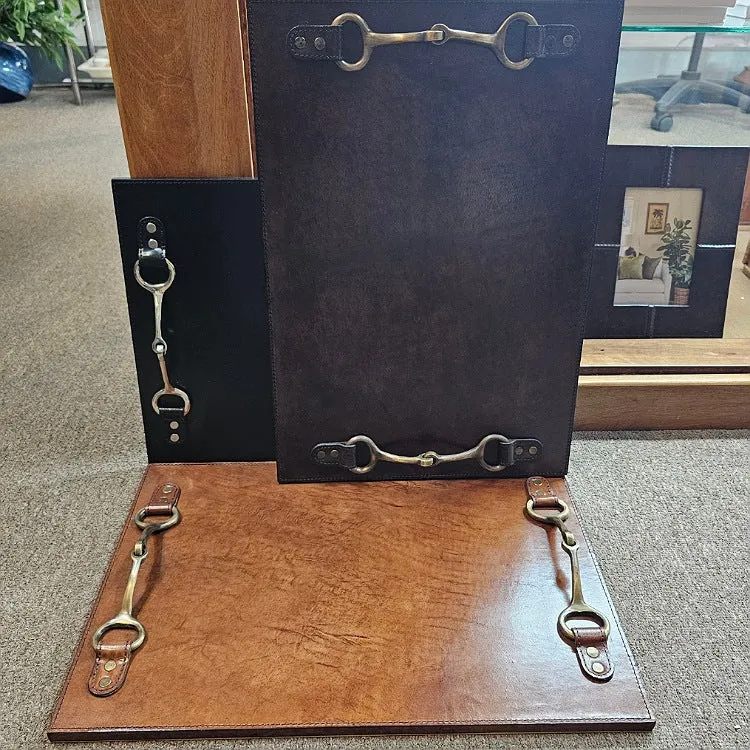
[590,642]
[112,662]
[159,345]
[437,34]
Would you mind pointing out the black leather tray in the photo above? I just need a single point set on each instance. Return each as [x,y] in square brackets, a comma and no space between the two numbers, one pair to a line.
[215,319]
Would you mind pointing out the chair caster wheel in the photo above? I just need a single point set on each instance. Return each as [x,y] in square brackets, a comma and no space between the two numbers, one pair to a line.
[662,122]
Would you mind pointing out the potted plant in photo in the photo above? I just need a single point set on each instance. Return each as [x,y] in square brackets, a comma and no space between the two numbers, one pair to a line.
[31,23]
[676,242]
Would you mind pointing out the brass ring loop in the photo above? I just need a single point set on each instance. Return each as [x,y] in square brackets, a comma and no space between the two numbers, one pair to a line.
[502,33]
[444,30]
[155,288]
[584,612]
[120,622]
[563,511]
[370,446]
[173,520]
[365,30]
[483,443]
[171,392]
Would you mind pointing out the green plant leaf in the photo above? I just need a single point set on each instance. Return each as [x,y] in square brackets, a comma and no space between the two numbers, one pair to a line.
[40,23]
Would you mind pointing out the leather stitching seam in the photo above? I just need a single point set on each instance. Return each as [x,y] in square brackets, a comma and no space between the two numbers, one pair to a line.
[613,612]
[90,620]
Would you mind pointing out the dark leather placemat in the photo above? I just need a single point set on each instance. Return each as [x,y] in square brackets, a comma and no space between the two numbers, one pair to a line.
[353,609]
[429,225]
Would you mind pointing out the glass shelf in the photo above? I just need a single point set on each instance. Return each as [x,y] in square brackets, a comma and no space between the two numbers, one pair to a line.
[727,29]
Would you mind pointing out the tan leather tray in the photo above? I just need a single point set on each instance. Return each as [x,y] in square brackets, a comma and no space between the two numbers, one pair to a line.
[368,608]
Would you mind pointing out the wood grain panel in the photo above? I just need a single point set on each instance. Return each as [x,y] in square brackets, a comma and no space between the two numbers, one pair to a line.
[180,70]
[663,402]
[655,356]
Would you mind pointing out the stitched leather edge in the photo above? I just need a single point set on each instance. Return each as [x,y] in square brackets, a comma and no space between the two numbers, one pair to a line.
[92,612]
[612,611]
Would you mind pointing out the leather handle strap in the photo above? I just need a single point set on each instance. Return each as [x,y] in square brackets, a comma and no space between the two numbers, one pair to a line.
[174,425]
[162,501]
[325,43]
[541,493]
[589,641]
[152,242]
[551,40]
[110,669]
[505,452]
[314,42]
[593,655]
[112,661]
[343,455]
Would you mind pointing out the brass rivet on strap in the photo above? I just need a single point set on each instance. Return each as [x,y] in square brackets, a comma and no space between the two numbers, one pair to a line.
[174,437]
[167,489]
[150,227]
[300,42]
[598,667]
[519,450]
[320,43]
[536,481]
[105,682]
[334,453]
[174,425]
[568,41]
[592,652]
[110,665]
[533,450]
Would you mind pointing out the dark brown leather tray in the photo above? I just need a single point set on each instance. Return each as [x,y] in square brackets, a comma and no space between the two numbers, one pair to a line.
[393,607]
[428,225]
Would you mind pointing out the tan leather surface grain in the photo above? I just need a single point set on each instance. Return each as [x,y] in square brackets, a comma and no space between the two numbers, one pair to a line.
[348,608]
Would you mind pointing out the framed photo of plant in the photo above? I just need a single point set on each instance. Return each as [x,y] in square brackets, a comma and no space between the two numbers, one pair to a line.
[665,242]
[655,267]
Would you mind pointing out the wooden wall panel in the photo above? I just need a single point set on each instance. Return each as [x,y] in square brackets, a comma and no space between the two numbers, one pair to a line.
[663,402]
[180,70]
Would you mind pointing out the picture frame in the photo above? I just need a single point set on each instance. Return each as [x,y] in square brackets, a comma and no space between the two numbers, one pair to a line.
[720,173]
[657,217]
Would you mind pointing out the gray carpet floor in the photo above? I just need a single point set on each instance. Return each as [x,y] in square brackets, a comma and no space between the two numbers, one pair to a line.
[667,513]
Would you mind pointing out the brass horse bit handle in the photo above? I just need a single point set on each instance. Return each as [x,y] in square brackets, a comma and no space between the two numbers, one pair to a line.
[159,345]
[344,454]
[112,662]
[438,34]
[546,507]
